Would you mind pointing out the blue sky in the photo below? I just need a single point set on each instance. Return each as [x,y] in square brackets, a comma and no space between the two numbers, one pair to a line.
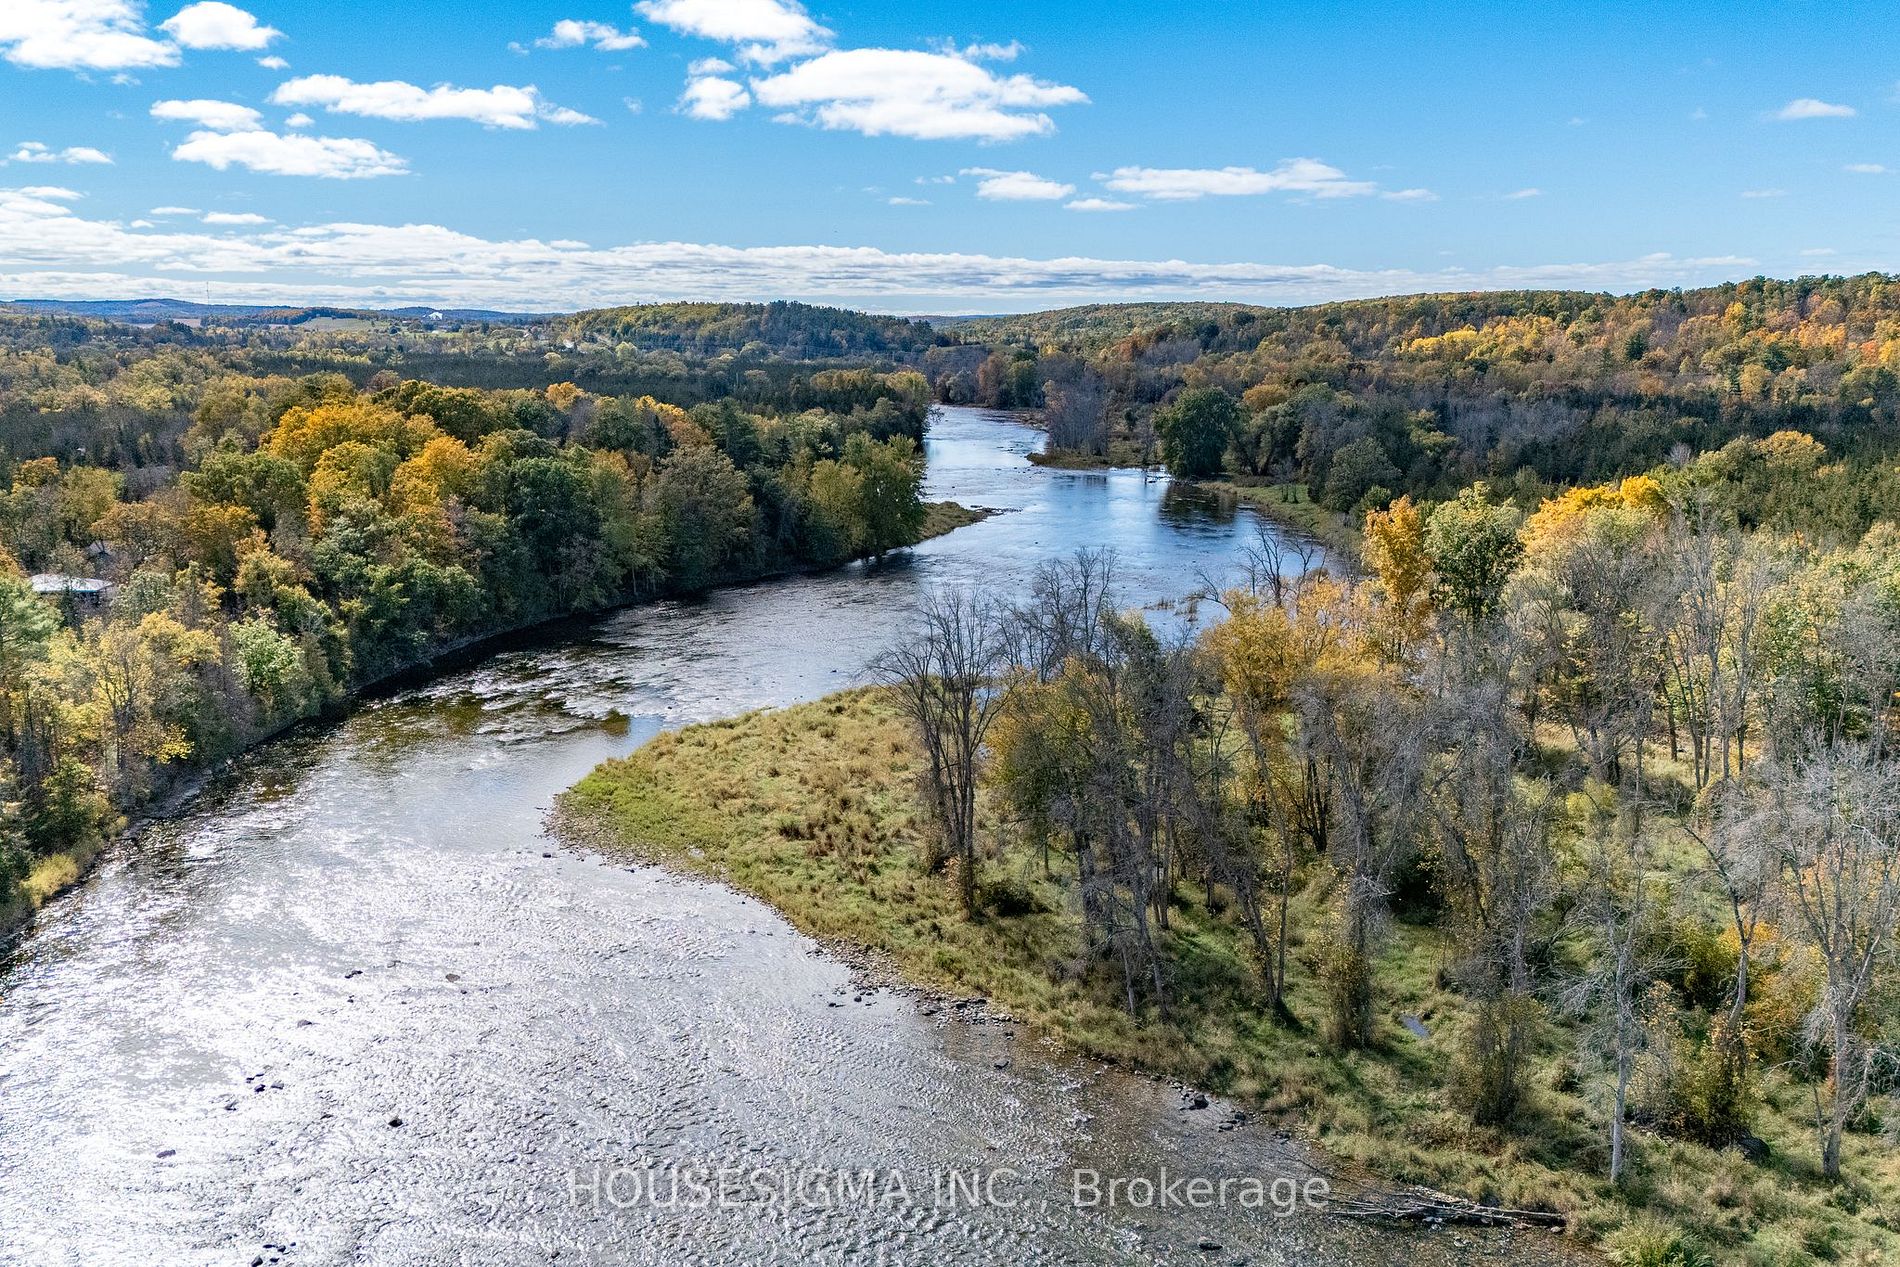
[930,158]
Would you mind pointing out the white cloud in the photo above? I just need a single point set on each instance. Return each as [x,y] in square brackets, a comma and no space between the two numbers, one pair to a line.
[79,35]
[994,52]
[214,24]
[219,116]
[710,66]
[1410,195]
[236,218]
[273,63]
[52,251]
[901,201]
[72,155]
[1865,169]
[299,120]
[1016,186]
[1098,204]
[900,92]
[767,31]
[1518,195]
[1292,176]
[333,158]
[711,97]
[172,211]
[1810,108]
[569,33]
[56,193]
[502,106]
[1764,193]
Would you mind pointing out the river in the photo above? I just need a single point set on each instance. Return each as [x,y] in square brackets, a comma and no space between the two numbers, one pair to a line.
[351,1006]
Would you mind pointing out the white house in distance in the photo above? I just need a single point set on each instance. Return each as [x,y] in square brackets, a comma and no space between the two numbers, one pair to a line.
[86,593]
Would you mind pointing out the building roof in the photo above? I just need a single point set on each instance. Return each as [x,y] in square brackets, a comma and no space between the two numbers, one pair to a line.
[59,583]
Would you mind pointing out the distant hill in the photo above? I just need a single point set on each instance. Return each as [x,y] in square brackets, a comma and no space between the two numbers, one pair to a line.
[146,310]
[799,331]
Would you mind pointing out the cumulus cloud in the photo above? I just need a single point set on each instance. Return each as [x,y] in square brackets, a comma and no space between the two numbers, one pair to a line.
[569,33]
[236,218]
[766,31]
[1182,184]
[902,92]
[1098,204]
[276,154]
[172,211]
[1016,186]
[502,106]
[1409,195]
[214,24]
[901,201]
[51,250]
[1810,108]
[218,116]
[72,155]
[273,63]
[58,193]
[713,97]
[80,35]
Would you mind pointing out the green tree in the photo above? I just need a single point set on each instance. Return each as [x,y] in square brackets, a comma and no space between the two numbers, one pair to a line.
[1196,430]
[703,501]
[1474,546]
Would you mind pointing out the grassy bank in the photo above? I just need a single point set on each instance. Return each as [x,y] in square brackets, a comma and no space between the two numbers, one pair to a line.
[1292,506]
[943,518]
[1121,453]
[814,809]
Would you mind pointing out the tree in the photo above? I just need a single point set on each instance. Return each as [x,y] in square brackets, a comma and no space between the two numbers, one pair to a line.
[703,501]
[1355,471]
[946,679]
[1075,412]
[1196,430]
[1473,546]
[890,507]
[1834,813]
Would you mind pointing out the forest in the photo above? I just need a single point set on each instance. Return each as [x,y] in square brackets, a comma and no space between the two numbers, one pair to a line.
[271,543]
[1357,403]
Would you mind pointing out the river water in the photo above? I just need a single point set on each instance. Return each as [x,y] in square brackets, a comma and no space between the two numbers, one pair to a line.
[352,1007]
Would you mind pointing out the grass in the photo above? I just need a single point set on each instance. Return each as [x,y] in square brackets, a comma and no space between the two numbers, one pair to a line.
[943,518]
[1121,453]
[814,809]
[49,876]
[1293,506]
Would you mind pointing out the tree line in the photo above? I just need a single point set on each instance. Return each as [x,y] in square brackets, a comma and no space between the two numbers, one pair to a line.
[322,535]
[1531,391]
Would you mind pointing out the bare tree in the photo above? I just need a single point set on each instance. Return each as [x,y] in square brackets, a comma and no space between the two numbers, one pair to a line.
[1498,874]
[1835,817]
[1366,730]
[1623,913]
[946,677]
[1075,411]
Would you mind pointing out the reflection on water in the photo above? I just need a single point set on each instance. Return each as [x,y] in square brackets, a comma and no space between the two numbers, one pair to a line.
[353,1008]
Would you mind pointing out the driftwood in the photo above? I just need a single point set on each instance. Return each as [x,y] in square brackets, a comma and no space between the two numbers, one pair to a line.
[1360,1199]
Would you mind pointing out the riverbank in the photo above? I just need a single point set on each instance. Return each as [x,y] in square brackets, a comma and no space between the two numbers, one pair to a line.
[814,809]
[1292,506]
[53,874]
